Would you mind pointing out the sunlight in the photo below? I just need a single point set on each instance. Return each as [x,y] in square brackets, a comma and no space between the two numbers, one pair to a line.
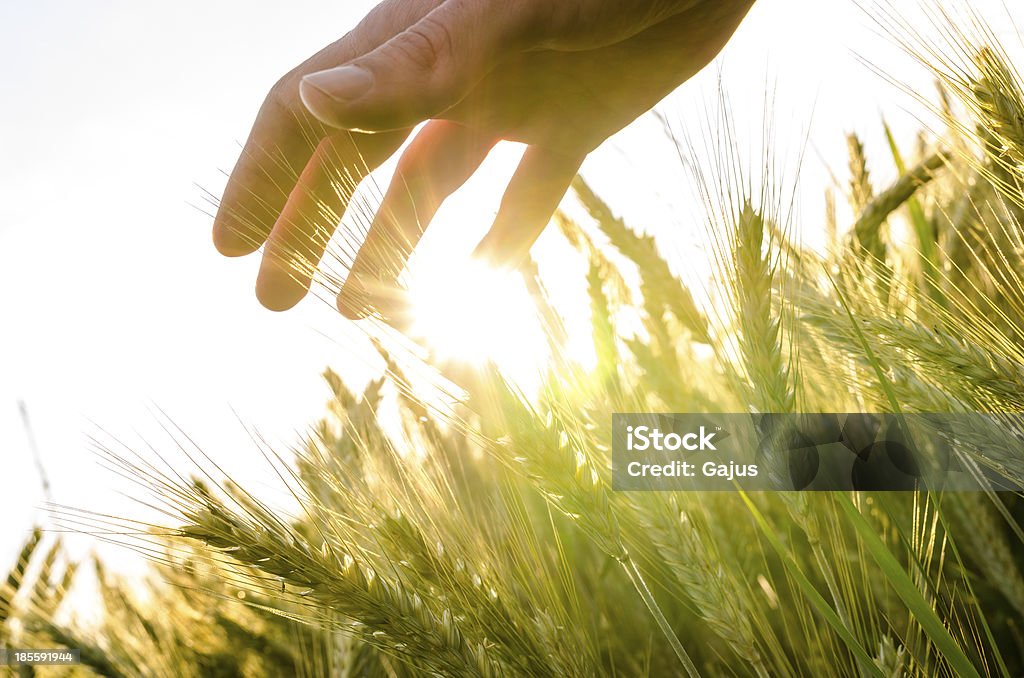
[475,314]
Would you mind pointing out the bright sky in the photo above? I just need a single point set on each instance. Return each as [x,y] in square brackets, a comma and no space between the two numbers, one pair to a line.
[114,301]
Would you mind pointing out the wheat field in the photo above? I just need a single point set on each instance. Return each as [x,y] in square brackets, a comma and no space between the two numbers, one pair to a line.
[480,535]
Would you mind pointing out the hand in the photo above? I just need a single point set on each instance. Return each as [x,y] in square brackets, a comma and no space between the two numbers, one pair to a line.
[560,77]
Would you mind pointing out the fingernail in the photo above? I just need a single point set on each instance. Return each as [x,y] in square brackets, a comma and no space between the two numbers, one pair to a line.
[343,83]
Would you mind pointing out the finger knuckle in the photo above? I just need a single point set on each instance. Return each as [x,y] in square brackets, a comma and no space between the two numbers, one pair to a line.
[427,43]
[283,93]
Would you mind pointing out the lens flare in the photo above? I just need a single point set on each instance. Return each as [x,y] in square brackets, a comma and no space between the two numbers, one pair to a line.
[476,314]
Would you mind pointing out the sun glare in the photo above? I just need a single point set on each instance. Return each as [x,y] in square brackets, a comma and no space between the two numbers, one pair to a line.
[475,314]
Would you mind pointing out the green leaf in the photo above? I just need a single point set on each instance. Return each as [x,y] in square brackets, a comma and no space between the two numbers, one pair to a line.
[820,605]
[928,256]
[909,593]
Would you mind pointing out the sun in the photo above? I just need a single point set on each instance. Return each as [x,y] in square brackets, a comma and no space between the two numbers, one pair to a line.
[475,314]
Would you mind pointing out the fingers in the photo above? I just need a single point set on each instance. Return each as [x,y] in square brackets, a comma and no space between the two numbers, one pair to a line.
[284,135]
[441,157]
[533,195]
[312,212]
[421,71]
[278,147]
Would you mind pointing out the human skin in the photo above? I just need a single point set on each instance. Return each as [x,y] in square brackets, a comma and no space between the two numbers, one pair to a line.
[559,76]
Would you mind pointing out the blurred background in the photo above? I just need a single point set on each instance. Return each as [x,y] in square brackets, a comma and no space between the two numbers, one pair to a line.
[119,115]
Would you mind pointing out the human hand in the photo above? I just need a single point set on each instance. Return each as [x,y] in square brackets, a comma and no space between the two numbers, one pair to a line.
[560,77]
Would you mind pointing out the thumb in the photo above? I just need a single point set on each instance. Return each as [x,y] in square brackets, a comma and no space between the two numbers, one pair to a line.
[421,71]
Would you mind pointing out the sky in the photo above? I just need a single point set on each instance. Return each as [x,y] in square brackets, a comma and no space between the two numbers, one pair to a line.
[117,116]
